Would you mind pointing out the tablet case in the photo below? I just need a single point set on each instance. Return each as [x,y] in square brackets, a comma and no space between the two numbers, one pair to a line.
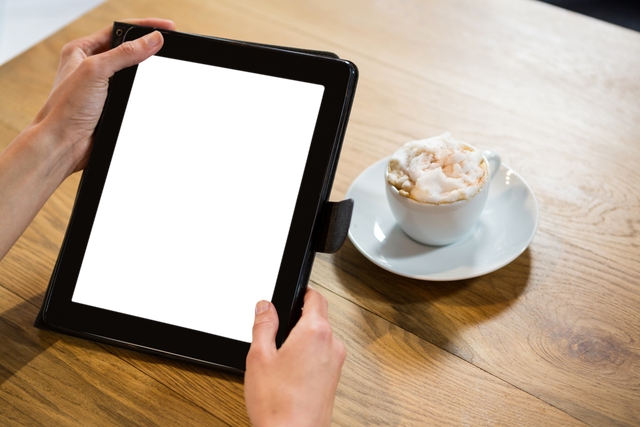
[335,217]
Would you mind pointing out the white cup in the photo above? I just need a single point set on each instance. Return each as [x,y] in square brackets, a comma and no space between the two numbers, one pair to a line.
[445,223]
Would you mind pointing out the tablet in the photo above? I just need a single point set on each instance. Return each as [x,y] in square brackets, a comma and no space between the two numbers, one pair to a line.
[211,167]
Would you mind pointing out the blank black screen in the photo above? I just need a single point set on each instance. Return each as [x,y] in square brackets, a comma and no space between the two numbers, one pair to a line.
[197,203]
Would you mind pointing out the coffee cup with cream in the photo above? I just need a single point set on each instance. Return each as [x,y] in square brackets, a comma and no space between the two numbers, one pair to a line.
[437,188]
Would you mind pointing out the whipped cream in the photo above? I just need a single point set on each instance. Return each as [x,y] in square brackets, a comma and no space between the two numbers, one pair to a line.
[437,170]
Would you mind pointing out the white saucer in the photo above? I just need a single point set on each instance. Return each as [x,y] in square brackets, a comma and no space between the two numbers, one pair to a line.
[506,228]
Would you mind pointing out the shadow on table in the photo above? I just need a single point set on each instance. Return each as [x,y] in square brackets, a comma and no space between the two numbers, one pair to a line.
[20,342]
[381,357]
[152,364]
[434,311]
[217,392]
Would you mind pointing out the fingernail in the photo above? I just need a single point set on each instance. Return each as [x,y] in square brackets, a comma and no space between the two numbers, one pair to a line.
[260,305]
[311,287]
[154,38]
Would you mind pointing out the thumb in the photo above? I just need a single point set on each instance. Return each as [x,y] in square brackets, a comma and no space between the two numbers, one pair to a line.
[129,54]
[265,327]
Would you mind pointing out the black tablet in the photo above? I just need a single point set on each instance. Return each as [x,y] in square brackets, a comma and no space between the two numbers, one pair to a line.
[204,193]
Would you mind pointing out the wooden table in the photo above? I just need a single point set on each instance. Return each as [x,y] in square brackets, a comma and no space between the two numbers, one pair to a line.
[553,338]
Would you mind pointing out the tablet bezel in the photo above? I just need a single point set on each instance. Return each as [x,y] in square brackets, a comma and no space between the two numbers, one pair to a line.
[338,78]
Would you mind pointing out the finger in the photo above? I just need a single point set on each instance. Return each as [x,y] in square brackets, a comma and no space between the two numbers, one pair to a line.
[74,52]
[265,327]
[126,55]
[100,41]
[315,304]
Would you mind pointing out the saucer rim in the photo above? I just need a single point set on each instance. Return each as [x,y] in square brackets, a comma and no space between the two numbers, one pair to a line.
[436,277]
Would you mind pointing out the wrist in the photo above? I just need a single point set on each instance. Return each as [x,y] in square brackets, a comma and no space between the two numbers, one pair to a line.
[31,168]
[53,152]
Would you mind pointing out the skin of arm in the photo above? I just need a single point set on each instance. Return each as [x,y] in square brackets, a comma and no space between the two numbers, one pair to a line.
[58,141]
[294,385]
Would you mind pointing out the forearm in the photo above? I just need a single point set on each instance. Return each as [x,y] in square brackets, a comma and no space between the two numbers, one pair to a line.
[31,168]
[59,140]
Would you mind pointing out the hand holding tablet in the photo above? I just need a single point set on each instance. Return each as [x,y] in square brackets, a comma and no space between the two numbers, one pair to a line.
[127,279]
[205,192]
[305,371]
[58,141]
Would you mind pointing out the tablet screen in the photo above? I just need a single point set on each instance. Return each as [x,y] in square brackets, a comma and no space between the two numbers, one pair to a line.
[200,194]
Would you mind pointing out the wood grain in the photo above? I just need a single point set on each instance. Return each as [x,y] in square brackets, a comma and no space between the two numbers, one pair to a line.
[592,216]
[393,377]
[525,328]
[550,339]
[50,379]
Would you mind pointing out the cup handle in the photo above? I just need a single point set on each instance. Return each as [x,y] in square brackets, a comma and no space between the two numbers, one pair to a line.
[494,162]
